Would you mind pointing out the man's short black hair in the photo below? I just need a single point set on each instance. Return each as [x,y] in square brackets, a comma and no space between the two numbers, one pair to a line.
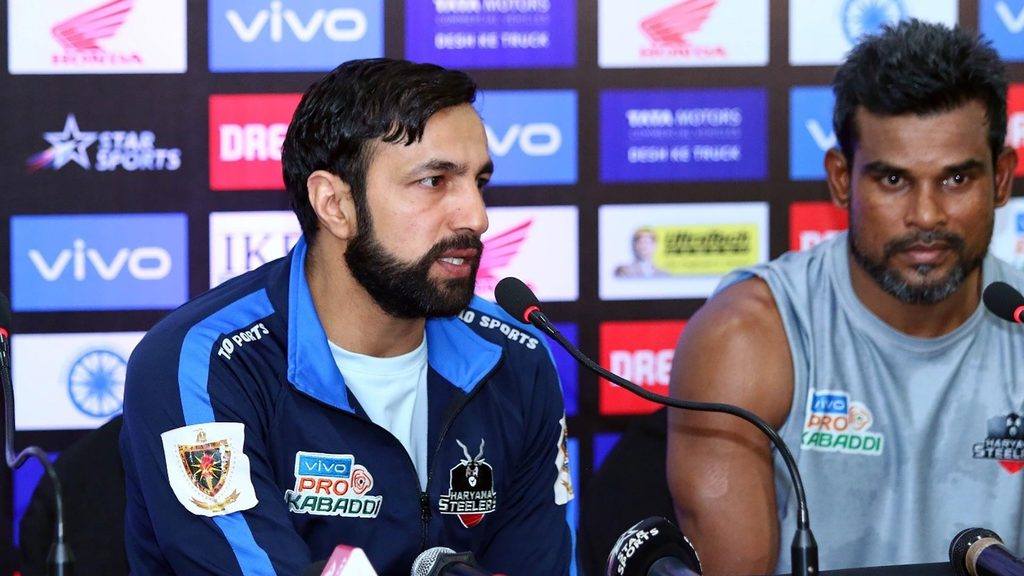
[920,68]
[342,116]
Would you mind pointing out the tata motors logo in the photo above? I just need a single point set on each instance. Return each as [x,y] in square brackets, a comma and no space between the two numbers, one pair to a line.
[99,262]
[293,35]
[492,33]
[246,134]
[531,136]
[104,150]
[96,37]
[1002,22]
[642,353]
[678,33]
[810,131]
[683,135]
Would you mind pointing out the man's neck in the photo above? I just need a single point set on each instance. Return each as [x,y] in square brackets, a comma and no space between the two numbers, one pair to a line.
[920,320]
[350,317]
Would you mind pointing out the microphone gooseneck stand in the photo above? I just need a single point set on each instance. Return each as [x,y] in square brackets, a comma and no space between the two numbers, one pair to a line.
[518,300]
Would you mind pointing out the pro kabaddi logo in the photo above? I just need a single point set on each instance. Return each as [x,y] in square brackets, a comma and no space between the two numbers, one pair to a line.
[471,489]
[834,423]
[1004,443]
[332,485]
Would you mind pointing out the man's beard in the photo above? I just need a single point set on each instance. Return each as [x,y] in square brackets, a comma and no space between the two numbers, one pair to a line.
[925,293]
[406,290]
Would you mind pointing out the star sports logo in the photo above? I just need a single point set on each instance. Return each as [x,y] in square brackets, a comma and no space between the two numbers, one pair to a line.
[128,150]
[69,145]
[668,30]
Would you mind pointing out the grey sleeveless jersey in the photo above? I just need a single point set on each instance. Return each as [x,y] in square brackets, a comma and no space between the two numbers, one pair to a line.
[901,441]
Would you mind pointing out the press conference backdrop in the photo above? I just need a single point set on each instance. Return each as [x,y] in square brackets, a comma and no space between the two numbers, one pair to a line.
[141,165]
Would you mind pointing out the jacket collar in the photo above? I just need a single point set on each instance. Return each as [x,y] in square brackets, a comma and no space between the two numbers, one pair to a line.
[454,351]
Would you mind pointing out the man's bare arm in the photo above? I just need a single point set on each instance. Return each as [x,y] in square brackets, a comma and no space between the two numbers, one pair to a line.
[734,350]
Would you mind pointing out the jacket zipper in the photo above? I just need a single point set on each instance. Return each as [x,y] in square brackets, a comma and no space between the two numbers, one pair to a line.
[425,513]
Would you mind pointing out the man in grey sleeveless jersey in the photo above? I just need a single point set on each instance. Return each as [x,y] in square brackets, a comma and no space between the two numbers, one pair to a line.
[871,354]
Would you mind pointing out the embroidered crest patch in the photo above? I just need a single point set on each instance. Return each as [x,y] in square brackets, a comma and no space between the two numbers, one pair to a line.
[207,469]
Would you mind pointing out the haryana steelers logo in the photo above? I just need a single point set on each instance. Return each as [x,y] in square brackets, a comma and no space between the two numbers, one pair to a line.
[1004,442]
[471,489]
[868,16]
[96,383]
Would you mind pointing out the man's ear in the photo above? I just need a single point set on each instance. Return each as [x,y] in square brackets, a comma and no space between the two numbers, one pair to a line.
[331,199]
[1006,166]
[837,175]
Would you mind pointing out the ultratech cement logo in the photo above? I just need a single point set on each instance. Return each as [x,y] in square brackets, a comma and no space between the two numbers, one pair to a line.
[332,485]
[1005,442]
[836,424]
[471,489]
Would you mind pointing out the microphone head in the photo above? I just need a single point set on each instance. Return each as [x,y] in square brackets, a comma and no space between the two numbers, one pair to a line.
[424,564]
[648,541]
[516,298]
[1004,301]
[962,542]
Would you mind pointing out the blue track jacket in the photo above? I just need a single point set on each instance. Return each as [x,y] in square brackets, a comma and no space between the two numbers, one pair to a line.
[303,469]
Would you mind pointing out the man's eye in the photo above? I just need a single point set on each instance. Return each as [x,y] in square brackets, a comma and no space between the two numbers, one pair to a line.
[431,181]
[957,179]
[893,179]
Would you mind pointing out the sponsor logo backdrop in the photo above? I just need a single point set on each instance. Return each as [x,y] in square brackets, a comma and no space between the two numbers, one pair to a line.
[643,149]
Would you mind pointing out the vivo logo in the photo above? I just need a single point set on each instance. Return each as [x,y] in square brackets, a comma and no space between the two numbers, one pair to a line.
[339,466]
[143,263]
[338,25]
[830,403]
[251,141]
[825,139]
[538,139]
[1013,22]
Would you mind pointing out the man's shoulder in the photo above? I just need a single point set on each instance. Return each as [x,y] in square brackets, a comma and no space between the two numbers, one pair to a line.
[491,323]
[175,326]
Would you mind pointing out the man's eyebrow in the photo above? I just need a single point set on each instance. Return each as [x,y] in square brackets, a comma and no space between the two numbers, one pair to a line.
[965,166]
[880,166]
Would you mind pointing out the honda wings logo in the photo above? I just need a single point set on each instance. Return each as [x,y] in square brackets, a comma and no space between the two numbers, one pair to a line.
[668,30]
[671,25]
[499,251]
[80,35]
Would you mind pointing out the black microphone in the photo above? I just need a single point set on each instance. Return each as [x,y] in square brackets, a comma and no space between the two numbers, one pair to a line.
[1004,301]
[980,552]
[59,561]
[442,561]
[653,547]
[519,301]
